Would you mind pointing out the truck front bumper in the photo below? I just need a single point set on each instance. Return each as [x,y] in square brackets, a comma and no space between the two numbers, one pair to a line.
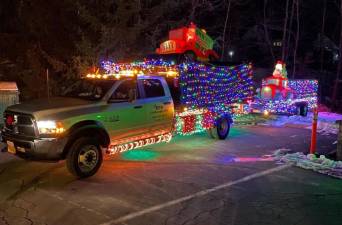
[35,148]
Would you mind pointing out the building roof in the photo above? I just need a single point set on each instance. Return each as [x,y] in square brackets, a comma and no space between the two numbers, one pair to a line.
[8,86]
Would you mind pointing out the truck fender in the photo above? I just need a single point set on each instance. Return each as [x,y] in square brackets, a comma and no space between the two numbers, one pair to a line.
[86,128]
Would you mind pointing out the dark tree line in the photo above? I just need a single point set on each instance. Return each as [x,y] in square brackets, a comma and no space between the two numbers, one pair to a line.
[70,36]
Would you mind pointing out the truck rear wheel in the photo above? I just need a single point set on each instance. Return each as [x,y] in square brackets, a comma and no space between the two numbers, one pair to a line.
[221,130]
[84,158]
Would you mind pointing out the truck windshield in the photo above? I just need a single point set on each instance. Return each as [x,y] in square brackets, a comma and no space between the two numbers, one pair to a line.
[92,90]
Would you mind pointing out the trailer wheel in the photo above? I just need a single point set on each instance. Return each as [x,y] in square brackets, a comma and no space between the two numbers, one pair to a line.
[84,157]
[221,130]
[302,110]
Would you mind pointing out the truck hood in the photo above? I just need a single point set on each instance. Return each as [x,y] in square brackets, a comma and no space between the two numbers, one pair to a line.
[44,108]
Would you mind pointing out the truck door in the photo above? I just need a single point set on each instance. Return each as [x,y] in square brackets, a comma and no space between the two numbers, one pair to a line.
[125,119]
[158,105]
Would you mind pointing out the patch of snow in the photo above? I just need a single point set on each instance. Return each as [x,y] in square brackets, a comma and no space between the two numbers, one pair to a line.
[326,122]
[329,117]
[310,161]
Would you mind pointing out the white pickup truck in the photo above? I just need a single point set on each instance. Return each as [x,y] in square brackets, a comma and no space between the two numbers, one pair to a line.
[105,113]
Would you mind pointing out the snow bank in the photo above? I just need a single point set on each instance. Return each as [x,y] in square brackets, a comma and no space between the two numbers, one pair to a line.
[311,162]
[326,122]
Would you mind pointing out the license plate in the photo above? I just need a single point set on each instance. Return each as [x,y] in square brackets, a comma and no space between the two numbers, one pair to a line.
[10,147]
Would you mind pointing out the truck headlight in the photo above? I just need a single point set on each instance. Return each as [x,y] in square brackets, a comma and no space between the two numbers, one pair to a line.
[50,127]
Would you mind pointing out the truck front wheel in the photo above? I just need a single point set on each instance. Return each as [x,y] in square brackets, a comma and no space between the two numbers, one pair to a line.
[84,157]
[221,130]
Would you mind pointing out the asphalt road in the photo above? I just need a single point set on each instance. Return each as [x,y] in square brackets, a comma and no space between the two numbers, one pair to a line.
[192,180]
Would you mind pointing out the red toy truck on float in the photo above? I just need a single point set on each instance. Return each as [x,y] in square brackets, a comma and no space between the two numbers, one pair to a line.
[191,41]
[278,94]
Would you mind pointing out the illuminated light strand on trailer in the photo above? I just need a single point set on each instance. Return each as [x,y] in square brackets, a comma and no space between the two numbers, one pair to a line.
[208,86]
[194,121]
[139,144]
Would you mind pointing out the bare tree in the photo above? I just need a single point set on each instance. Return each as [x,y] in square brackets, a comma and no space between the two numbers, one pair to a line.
[322,35]
[296,40]
[267,36]
[284,30]
[288,43]
[225,28]
[339,66]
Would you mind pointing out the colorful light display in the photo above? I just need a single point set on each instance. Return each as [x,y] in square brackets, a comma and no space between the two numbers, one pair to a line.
[303,91]
[157,66]
[114,149]
[208,86]
[288,106]
[281,95]
[194,121]
[304,88]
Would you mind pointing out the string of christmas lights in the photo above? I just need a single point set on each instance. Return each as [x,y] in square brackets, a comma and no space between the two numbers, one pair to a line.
[194,121]
[304,88]
[146,66]
[208,86]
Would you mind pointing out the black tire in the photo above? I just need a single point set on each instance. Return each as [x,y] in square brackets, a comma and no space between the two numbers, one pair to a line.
[302,110]
[84,157]
[222,129]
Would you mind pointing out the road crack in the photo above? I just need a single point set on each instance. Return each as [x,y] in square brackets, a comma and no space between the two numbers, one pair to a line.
[26,211]
[32,183]
[3,217]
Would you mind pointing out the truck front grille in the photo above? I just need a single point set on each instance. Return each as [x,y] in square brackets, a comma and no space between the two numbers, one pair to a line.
[19,124]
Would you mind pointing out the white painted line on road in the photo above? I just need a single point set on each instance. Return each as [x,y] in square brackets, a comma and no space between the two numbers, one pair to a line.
[197,194]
